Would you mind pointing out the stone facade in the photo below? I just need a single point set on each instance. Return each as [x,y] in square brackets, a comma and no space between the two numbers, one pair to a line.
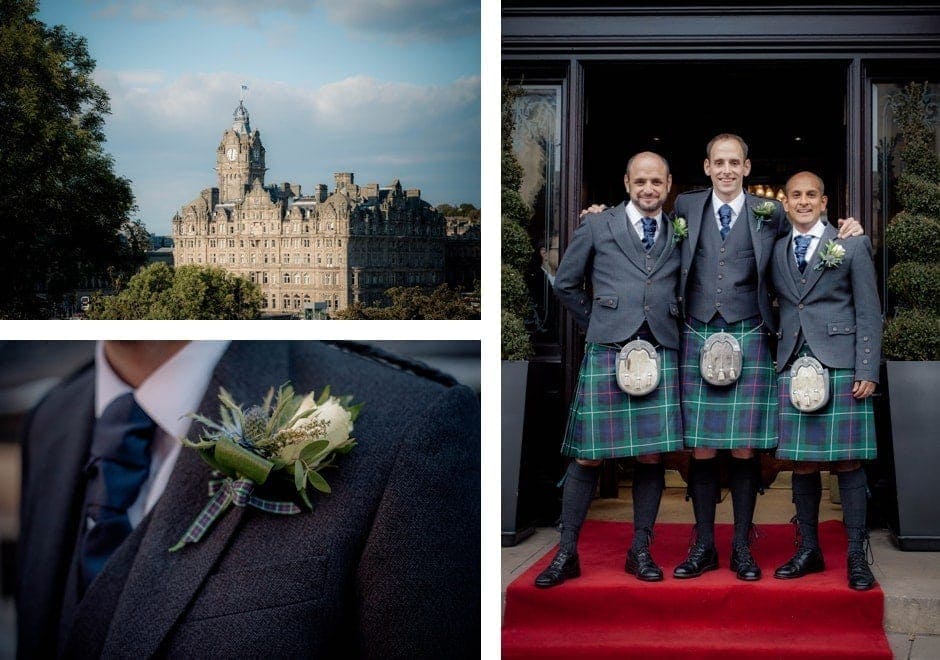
[333,248]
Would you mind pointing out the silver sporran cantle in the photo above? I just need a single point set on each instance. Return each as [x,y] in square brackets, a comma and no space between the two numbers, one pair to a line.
[809,384]
[721,359]
[638,368]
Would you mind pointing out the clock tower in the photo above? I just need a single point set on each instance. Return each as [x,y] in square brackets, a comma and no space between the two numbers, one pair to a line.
[239,158]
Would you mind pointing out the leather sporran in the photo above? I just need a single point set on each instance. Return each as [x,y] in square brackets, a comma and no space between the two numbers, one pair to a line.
[721,359]
[638,368]
[809,384]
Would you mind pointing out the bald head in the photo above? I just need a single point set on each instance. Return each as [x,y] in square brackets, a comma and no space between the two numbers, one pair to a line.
[647,182]
[807,177]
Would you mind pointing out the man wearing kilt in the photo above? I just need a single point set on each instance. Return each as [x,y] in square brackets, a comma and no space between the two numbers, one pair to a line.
[628,255]
[725,288]
[829,311]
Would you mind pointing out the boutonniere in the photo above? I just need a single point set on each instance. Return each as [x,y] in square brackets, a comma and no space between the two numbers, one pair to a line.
[764,212]
[831,256]
[680,230]
[286,441]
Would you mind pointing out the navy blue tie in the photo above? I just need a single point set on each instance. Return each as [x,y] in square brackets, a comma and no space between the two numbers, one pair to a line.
[118,466]
[801,245]
[649,232]
[724,217]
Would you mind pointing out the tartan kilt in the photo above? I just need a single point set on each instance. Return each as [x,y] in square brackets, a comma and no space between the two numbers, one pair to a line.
[843,429]
[737,416]
[606,422]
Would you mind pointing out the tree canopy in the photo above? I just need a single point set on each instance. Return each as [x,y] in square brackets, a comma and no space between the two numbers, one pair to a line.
[186,292]
[64,213]
[418,303]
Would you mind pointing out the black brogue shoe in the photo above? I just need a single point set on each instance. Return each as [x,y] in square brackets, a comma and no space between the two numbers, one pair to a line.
[701,558]
[564,566]
[641,564]
[744,564]
[804,562]
[860,576]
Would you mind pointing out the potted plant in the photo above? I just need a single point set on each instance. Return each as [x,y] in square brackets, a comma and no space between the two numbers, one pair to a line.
[516,345]
[912,336]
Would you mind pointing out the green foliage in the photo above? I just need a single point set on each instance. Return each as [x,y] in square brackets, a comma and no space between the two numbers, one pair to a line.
[916,285]
[66,215]
[516,344]
[515,295]
[513,206]
[912,335]
[417,303]
[517,246]
[465,210]
[187,292]
[511,171]
[914,237]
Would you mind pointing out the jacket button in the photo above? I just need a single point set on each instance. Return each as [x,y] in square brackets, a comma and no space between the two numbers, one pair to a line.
[803,281]
[868,350]
[865,361]
[718,291]
[801,305]
[717,304]
[835,329]
[864,338]
[722,249]
[649,282]
[848,329]
[721,263]
[646,308]
[796,334]
[610,301]
[720,276]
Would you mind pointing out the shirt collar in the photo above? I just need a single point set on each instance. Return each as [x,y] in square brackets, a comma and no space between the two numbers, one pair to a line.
[736,204]
[816,231]
[634,214]
[175,389]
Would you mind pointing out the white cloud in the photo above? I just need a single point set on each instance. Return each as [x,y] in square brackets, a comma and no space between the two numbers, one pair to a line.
[165,131]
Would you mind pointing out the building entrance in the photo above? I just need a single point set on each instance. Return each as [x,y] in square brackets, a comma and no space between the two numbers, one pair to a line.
[790,113]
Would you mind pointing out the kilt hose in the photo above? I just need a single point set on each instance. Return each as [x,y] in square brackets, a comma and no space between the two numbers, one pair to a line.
[606,422]
[842,430]
[737,416]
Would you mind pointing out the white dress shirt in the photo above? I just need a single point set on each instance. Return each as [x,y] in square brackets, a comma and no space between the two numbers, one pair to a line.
[175,389]
[736,205]
[635,218]
[816,231]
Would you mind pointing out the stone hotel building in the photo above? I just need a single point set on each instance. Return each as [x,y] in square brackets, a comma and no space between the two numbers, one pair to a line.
[324,251]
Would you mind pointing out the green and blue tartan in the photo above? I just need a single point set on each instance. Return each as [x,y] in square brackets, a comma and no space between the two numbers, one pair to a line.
[842,430]
[606,422]
[737,416]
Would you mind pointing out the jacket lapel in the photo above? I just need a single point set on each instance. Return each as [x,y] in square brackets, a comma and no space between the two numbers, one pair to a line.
[161,584]
[696,212]
[618,223]
[752,224]
[667,233]
[783,258]
[812,274]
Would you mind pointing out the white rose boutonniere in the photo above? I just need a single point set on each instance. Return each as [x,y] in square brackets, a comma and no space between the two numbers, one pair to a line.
[285,442]
[764,213]
[680,230]
[831,256]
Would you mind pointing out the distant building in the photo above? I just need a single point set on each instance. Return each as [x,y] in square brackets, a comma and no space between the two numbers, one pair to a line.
[332,247]
[462,252]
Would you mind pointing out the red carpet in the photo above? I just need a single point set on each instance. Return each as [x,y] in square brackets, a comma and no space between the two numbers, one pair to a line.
[607,613]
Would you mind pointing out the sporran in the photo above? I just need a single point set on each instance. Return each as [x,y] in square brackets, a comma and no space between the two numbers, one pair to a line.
[721,359]
[809,384]
[638,368]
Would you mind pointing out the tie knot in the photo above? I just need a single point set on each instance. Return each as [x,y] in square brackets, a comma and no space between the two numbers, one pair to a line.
[123,432]
[649,224]
[724,215]
[802,242]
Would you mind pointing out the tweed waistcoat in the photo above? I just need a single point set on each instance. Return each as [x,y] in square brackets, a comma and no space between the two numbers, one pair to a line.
[723,278]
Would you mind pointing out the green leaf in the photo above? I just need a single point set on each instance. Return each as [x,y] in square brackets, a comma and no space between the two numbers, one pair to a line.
[318,482]
[345,449]
[300,475]
[244,462]
[205,421]
[266,404]
[306,498]
[354,410]
[324,395]
[313,450]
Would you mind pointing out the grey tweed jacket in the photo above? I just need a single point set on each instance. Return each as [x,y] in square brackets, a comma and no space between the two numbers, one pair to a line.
[837,308]
[387,565]
[626,290]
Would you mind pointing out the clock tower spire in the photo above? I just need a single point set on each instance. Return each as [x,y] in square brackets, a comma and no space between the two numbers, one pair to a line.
[240,156]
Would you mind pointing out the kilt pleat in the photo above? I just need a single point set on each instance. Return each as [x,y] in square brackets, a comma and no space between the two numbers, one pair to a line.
[741,415]
[606,422]
[843,429]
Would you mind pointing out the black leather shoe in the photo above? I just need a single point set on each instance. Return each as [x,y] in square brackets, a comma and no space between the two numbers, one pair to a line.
[640,563]
[743,563]
[564,566]
[860,577]
[804,562]
[701,558]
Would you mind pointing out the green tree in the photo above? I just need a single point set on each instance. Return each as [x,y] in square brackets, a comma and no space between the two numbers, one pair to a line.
[187,292]
[64,214]
[418,303]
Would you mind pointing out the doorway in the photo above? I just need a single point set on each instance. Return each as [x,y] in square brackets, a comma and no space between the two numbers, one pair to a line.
[790,113]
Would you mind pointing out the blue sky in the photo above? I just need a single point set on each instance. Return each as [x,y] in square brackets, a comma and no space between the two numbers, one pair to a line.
[383,88]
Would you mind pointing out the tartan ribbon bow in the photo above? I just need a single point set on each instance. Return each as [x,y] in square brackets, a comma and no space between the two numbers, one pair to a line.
[224,492]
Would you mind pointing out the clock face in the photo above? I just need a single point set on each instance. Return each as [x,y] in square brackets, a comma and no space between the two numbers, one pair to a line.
[232,153]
